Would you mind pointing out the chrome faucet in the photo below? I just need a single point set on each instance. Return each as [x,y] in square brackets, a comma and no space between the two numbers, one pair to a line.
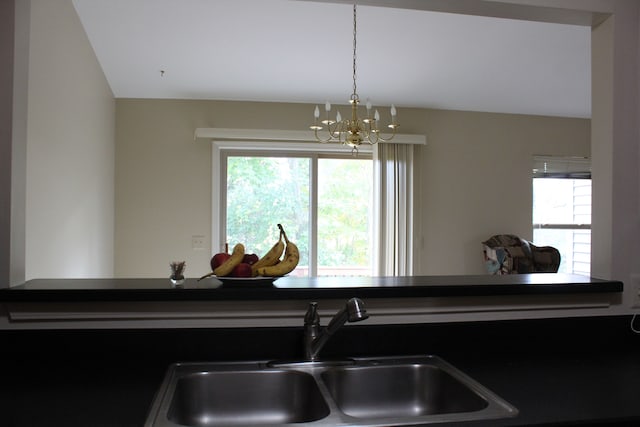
[315,339]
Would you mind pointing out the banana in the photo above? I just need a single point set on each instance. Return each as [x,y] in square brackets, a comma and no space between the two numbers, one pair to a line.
[287,264]
[236,258]
[270,258]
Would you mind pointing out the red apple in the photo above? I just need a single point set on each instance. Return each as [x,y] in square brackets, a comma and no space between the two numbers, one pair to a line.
[218,259]
[242,270]
[250,258]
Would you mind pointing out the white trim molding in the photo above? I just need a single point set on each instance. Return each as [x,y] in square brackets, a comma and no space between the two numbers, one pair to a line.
[286,136]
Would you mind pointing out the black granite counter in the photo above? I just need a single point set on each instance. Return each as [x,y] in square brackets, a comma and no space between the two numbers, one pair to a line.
[305,288]
[569,372]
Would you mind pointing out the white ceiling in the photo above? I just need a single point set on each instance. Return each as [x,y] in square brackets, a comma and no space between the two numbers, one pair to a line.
[301,51]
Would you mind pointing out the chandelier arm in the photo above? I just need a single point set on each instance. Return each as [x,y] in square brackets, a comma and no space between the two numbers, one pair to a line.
[334,134]
[373,138]
[388,139]
[336,131]
[372,126]
[333,137]
[323,141]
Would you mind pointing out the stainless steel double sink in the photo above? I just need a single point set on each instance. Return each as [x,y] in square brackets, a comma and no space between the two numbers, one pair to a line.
[395,391]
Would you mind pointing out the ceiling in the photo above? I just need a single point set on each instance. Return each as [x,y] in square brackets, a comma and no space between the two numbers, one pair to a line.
[301,51]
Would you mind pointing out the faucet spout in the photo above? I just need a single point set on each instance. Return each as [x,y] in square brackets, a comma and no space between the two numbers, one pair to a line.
[315,338]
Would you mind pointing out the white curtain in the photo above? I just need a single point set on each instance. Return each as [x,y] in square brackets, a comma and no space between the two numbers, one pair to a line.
[393,232]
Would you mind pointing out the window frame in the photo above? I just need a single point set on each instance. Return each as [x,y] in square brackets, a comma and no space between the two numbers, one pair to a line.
[221,150]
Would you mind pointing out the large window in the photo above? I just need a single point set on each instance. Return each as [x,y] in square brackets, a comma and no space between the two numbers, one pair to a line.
[562,211]
[324,202]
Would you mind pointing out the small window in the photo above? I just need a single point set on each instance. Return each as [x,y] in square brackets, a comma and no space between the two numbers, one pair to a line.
[562,210]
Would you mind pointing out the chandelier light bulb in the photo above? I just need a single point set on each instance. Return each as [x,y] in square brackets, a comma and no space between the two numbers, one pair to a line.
[327,106]
[393,111]
[316,114]
[338,117]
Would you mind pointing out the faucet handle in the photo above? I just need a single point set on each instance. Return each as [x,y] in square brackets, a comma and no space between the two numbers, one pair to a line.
[312,317]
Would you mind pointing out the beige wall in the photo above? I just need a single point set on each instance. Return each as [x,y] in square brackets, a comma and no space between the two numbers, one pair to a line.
[473,179]
[69,154]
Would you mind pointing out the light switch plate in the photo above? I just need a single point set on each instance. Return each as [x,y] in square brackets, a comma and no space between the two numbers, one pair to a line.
[197,242]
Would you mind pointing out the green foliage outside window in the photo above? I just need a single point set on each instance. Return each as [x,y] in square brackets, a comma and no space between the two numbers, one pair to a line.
[263,192]
[344,211]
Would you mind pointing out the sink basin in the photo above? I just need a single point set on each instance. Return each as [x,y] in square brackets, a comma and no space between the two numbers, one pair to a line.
[246,398]
[410,390]
[367,392]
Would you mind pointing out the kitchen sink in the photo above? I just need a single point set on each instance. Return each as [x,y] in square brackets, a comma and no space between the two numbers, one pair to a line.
[410,390]
[368,392]
[246,398]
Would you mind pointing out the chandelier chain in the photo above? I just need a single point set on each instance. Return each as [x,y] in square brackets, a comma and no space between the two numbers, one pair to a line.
[355,92]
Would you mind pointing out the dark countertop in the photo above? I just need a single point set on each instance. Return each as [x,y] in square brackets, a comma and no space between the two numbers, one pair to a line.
[576,371]
[594,389]
[305,288]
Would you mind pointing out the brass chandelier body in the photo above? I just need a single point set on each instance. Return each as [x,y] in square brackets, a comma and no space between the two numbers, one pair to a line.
[353,131]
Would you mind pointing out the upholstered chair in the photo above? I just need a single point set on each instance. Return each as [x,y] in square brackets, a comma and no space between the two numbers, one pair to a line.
[510,254]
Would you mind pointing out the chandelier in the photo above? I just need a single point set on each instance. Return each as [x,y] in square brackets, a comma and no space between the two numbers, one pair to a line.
[355,130]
